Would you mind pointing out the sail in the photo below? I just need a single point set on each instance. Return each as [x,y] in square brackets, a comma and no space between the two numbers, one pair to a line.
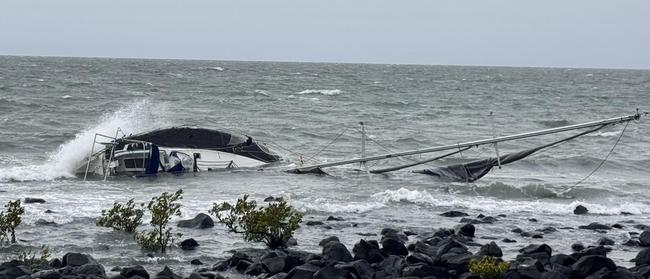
[472,171]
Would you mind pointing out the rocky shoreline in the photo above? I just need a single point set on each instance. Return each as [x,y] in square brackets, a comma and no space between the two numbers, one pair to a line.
[442,253]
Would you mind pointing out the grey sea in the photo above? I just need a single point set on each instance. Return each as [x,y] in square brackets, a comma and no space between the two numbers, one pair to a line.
[50,109]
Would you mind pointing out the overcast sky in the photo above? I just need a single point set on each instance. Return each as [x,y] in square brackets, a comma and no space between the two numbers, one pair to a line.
[560,33]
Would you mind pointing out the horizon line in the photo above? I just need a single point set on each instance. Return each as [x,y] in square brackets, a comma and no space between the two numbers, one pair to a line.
[330,62]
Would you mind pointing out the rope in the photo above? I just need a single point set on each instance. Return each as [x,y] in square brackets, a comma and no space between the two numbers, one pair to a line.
[328,145]
[603,161]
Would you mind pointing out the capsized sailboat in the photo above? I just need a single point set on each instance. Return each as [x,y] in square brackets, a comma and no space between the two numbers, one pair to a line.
[472,171]
[175,150]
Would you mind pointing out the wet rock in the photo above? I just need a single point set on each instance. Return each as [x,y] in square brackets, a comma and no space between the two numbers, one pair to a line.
[595,226]
[547,230]
[43,222]
[91,269]
[626,213]
[632,243]
[508,240]
[490,249]
[580,210]
[331,272]
[466,230]
[55,263]
[292,242]
[410,233]
[269,199]
[537,236]
[605,241]
[359,269]
[577,246]
[454,213]
[336,251]
[364,250]
[136,270]
[314,223]
[254,269]
[416,257]
[48,211]
[617,226]
[591,251]
[423,270]
[77,259]
[221,266]
[14,271]
[562,259]
[200,221]
[642,227]
[274,263]
[394,234]
[443,232]
[34,200]
[644,239]
[196,262]
[243,265]
[46,274]
[167,273]
[305,271]
[517,230]
[587,265]
[536,248]
[528,268]
[392,246]
[327,240]
[332,218]
[237,257]
[188,244]
[643,257]
[532,220]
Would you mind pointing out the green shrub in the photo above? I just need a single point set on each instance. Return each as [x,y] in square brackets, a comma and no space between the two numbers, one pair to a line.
[162,208]
[488,267]
[122,217]
[30,258]
[10,219]
[274,224]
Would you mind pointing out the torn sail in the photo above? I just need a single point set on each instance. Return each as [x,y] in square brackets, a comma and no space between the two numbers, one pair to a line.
[472,171]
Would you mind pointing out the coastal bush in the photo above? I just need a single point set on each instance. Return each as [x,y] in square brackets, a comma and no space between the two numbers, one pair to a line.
[123,217]
[30,257]
[10,219]
[273,225]
[162,209]
[488,267]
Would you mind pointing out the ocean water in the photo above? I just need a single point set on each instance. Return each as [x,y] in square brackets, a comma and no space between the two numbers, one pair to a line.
[50,109]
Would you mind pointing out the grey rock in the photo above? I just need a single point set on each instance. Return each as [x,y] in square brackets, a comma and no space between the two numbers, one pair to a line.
[200,221]
[337,251]
[587,265]
[77,259]
[135,270]
[466,230]
[34,200]
[327,240]
[596,226]
[392,246]
[605,241]
[491,249]
[580,210]
[188,244]
[454,213]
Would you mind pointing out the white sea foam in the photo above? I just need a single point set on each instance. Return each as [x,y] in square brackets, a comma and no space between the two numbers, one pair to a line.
[328,92]
[66,96]
[496,205]
[220,69]
[62,163]
[322,205]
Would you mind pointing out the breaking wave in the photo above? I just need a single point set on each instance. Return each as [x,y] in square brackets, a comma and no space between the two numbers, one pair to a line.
[62,163]
[328,92]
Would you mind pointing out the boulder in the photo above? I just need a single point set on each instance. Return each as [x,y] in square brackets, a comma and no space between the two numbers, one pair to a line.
[466,230]
[274,265]
[136,270]
[360,269]
[77,259]
[91,269]
[508,240]
[34,200]
[332,218]
[394,234]
[200,221]
[305,271]
[364,250]
[327,240]
[336,251]
[587,265]
[490,249]
[580,210]
[416,258]
[528,268]
[454,213]
[188,244]
[554,275]
[15,271]
[643,257]
[424,270]
[196,262]
[605,241]
[390,267]
[644,239]
[313,223]
[595,226]
[562,259]
[536,248]
[577,246]
[392,246]
[254,269]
